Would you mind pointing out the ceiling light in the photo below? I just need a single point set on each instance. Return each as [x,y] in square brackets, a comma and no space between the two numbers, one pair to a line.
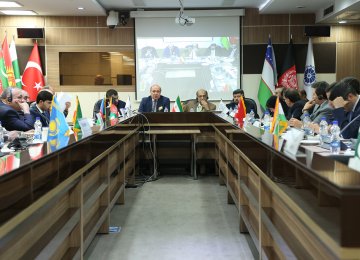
[9,4]
[300,6]
[81,8]
[342,21]
[18,12]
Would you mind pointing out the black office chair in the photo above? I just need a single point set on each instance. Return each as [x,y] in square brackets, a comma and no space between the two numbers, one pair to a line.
[251,104]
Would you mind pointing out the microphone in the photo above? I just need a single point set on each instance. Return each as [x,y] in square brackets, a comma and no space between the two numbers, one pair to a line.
[350,123]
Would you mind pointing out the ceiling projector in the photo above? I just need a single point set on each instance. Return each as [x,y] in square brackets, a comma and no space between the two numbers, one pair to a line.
[184,20]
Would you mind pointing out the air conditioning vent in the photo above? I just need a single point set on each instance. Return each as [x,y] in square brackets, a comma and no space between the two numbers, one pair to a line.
[328,10]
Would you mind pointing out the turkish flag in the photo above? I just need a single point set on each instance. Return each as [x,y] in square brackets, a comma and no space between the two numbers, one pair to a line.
[33,80]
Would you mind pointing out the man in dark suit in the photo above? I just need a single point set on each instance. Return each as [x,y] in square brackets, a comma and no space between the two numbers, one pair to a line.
[345,99]
[110,94]
[295,104]
[42,107]
[12,101]
[249,103]
[155,102]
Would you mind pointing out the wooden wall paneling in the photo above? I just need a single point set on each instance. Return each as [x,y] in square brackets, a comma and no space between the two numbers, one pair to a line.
[252,17]
[75,21]
[302,19]
[22,21]
[348,33]
[117,36]
[348,56]
[260,35]
[71,36]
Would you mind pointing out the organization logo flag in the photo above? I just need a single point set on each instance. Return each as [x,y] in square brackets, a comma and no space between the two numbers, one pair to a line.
[309,73]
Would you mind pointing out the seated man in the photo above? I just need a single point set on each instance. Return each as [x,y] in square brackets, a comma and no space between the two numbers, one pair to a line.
[201,104]
[110,94]
[11,102]
[155,102]
[319,105]
[344,97]
[295,104]
[42,107]
[249,103]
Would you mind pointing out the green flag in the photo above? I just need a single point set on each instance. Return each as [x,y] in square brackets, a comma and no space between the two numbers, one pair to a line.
[15,63]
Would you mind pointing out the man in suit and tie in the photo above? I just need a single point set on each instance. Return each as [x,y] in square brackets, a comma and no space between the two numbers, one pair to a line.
[12,101]
[155,102]
[42,107]
[200,104]
[344,97]
[319,105]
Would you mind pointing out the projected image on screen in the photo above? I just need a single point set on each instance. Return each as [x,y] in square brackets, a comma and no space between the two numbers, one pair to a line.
[181,65]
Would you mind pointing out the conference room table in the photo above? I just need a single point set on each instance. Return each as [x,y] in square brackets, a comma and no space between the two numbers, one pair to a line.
[54,203]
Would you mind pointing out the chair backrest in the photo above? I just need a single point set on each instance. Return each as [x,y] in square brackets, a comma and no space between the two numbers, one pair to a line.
[252,102]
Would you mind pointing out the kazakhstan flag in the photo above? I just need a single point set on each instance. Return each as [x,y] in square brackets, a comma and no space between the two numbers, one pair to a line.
[59,130]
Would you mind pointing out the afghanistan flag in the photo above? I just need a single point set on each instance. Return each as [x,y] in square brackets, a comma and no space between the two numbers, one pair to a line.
[288,71]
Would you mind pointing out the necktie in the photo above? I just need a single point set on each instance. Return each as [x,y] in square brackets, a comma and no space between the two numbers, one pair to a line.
[350,115]
[154,106]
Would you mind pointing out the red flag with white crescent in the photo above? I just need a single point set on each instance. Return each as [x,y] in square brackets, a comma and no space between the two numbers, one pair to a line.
[33,79]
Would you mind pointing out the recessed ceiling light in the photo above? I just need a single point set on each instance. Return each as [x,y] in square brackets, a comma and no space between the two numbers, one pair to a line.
[342,21]
[81,8]
[18,12]
[9,4]
[300,6]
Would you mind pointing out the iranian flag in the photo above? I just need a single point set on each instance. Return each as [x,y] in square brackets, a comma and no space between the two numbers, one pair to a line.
[15,64]
[33,79]
[268,76]
[288,72]
[3,76]
[177,105]
[8,63]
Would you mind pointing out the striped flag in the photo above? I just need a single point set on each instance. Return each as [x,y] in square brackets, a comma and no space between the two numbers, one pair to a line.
[76,117]
[3,76]
[8,63]
[309,73]
[177,105]
[15,63]
[268,76]
[279,123]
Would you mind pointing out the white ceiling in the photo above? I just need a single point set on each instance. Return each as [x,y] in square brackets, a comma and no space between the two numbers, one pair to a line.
[100,7]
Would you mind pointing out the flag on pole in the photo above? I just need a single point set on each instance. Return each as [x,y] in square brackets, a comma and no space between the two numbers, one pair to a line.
[241,112]
[76,117]
[222,107]
[15,64]
[268,76]
[3,76]
[59,131]
[8,63]
[309,73]
[177,105]
[113,113]
[33,79]
[128,110]
[287,77]
[279,123]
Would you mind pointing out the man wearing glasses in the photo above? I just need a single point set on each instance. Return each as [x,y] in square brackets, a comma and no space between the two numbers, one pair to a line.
[12,102]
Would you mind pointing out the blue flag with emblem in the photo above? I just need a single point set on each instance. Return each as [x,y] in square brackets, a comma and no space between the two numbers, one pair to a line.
[59,130]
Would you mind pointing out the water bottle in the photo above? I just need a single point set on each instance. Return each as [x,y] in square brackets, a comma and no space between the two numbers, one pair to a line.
[266,121]
[166,109]
[335,138]
[323,131]
[252,116]
[306,124]
[37,131]
[1,136]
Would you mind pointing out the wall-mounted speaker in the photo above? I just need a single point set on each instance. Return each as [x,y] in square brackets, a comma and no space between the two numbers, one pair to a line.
[31,33]
[318,31]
